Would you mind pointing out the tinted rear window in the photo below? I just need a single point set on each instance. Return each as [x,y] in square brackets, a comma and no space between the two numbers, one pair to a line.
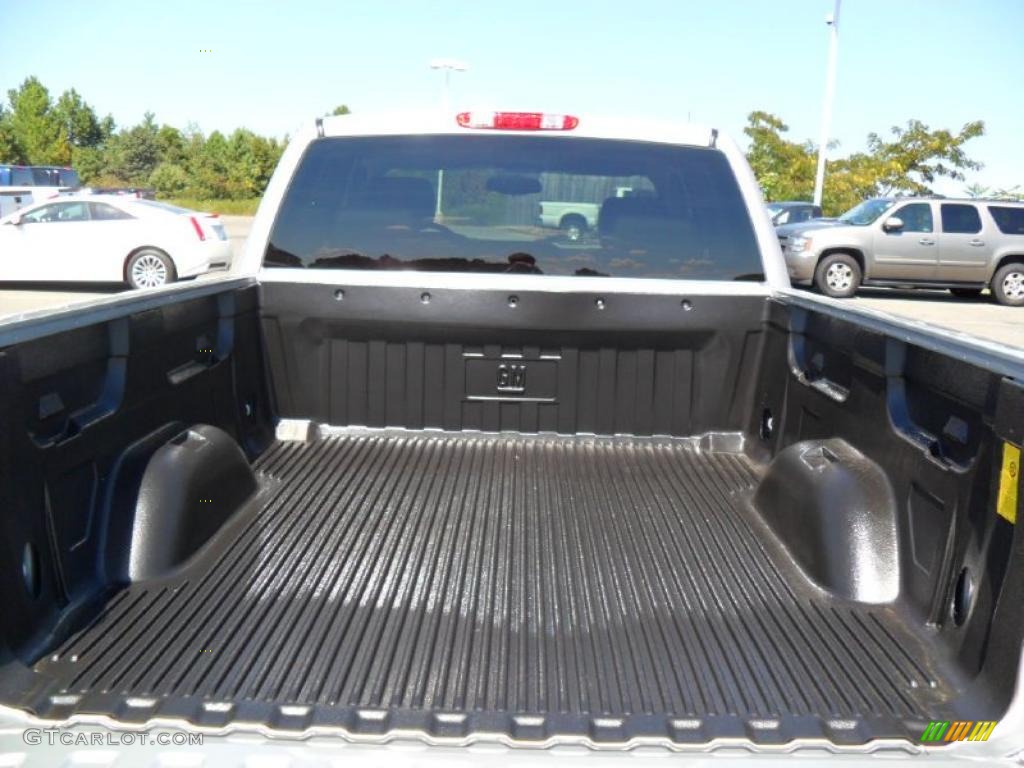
[960,219]
[1009,220]
[516,204]
[22,177]
[44,177]
[68,178]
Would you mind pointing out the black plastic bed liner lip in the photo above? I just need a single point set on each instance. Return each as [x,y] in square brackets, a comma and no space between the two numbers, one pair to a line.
[531,588]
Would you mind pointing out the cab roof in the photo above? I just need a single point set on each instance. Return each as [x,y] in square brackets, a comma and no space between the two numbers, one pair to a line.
[428,123]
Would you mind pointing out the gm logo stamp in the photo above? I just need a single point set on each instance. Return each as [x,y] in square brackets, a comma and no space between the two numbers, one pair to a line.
[512,377]
[505,381]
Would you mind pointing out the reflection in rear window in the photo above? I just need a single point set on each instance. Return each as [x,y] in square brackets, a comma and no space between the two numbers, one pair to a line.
[1009,220]
[516,204]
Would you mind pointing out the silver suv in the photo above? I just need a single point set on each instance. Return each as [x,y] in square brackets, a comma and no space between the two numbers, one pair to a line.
[962,245]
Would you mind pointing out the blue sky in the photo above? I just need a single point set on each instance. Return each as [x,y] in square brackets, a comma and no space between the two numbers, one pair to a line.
[274,64]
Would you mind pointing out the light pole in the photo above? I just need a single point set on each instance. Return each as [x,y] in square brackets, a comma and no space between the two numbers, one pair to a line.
[826,110]
[448,66]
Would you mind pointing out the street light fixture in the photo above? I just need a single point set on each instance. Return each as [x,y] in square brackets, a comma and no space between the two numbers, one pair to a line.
[448,66]
[826,111]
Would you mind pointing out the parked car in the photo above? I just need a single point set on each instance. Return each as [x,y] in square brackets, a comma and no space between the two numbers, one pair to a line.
[918,242]
[792,212]
[45,177]
[386,487]
[87,238]
[22,185]
[14,199]
[575,219]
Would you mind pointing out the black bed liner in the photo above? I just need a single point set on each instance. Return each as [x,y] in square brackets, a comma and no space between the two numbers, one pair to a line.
[602,588]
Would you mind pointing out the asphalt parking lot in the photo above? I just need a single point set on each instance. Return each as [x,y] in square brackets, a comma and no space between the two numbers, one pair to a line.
[977,317]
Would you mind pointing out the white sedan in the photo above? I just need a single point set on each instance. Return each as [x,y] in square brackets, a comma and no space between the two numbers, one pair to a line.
[110,239]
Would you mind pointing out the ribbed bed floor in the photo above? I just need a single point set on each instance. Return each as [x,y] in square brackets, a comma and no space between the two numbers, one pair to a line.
[610,588]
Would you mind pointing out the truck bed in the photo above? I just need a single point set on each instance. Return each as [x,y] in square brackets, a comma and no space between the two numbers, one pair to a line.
[750,524]
[612,589]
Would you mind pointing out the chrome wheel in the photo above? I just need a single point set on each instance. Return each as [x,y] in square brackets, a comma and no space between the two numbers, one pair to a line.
[839,277]
[573,227]
[149,271]
[1013,285]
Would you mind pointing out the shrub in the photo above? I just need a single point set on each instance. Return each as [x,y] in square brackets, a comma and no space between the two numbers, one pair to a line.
[169,179]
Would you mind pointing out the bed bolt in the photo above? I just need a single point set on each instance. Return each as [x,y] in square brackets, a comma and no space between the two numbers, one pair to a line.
[339,295]
[686,305]
[599,303]
[513,301]
[424,298]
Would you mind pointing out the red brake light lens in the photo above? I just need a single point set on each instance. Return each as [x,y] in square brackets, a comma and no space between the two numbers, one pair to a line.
[197,227]
[517,121]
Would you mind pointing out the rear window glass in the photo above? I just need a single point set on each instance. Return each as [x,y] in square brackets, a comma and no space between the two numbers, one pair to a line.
[516,204]
[22,177]
[1009,220]
[960,219]
[68,178]
[44,177]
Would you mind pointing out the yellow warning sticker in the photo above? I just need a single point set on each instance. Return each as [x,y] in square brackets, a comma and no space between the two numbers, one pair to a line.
[1009,482]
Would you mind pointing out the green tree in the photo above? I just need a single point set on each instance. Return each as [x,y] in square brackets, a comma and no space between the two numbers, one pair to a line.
[107,127]
[1013,194]
[10,152]
[908,163]
[91,163]
[341,109]
[916,156]
[784,169]
[134,154]
[171,145]
[242,165]
[35,131]
[208,166]
[77,126]
[169,180]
